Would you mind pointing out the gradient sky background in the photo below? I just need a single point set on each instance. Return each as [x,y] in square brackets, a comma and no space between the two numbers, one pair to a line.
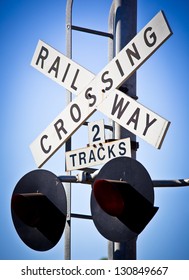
[30,101]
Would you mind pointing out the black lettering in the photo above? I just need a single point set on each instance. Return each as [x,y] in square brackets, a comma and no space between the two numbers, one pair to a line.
[68,271]
[98,153]
[119,67]
[78,117]
[48,271]
[110,151]
[73,159]
[134,118]
[122,149]
[23,271]
[134,53]
[82,157]
[42,57]
[59,126]
[58,271]
[107,80]
[152,36]
[74,79]
[91,156]
[118,106]
[148,123]
[66,72]
[90,96]
[78,271]
[55,66]
[45,150]
[97,128]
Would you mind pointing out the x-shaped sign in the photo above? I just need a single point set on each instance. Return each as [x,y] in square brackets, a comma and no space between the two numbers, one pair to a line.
[99,92]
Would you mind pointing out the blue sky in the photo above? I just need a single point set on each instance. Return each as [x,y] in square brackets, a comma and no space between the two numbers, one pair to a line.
[30,101]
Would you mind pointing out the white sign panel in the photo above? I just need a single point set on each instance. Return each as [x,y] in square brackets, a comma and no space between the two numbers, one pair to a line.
[60,68]
[112,76]
[97,155]
[96,132]
[135,117]
[60,130]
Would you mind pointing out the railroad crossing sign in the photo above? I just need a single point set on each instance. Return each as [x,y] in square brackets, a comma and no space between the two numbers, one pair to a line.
[96,91]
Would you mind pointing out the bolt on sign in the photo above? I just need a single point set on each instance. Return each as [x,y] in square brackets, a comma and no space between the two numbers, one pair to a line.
[94,91]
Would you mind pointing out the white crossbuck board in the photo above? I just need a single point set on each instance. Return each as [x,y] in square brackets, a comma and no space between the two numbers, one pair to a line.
[135,117]
[94,91]
[97,154]
[60,68]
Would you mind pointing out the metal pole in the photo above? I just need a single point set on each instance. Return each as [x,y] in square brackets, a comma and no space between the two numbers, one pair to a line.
[111,54]
[67,232]
[88,178]
[171,183]
[125,30]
